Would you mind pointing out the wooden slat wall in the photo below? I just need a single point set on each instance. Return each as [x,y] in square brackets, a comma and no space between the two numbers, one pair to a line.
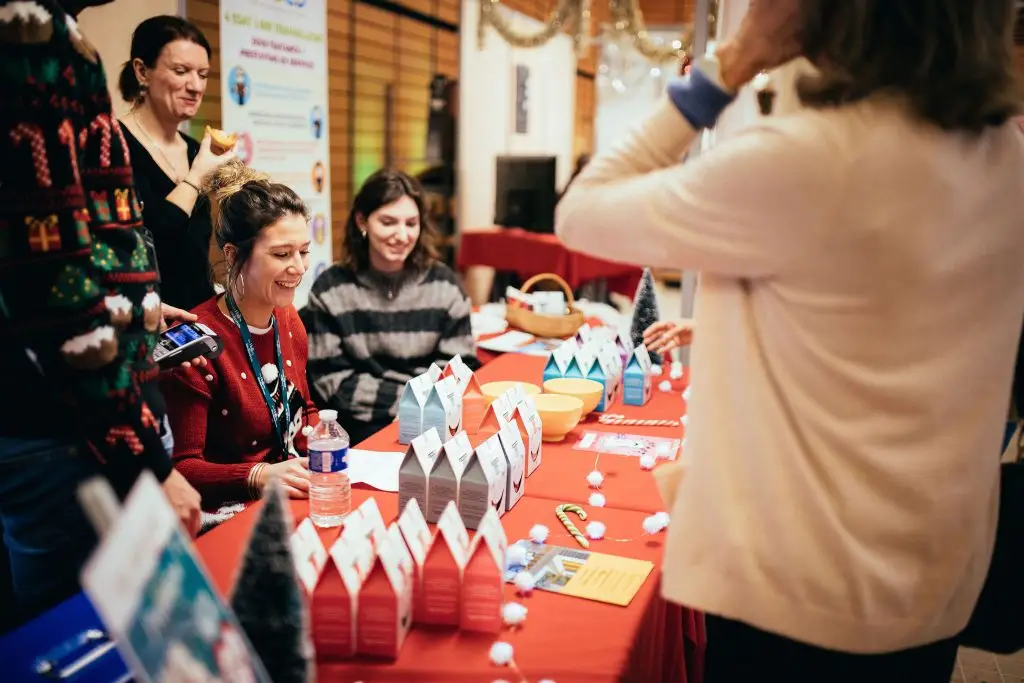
[370,51]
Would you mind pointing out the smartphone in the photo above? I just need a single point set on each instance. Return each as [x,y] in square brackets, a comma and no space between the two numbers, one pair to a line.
[185,342]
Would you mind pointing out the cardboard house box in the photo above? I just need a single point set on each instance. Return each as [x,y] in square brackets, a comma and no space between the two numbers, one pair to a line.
[414,472]
[309,554]
[424,405]
[558,361]
[605,369]
[335,606]
[483,577]
[385,604]
[473,402]
[417,539]
[584,333]
[580,363]
[363,521]
[527,421]
[449,389]
[637,383]
[483,483]
[443,483]
[442,570]
[514,450]
[499,413]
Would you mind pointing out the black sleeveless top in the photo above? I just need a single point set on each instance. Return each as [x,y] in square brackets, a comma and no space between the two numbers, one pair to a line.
[181,242]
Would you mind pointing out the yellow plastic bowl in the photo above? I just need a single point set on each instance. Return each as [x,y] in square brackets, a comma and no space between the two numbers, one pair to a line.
[493,390]
[558,415]
[586,390]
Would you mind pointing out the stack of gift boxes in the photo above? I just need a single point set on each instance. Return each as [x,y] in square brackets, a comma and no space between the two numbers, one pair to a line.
[369,588]
[607,357]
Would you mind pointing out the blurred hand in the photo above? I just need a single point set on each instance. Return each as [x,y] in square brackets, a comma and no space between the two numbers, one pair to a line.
[767,37]
[294,476]
[172,314]
[664,335]
[185,500]
[207,161]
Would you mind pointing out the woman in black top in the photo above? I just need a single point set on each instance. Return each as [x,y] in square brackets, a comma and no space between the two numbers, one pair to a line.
[165,81]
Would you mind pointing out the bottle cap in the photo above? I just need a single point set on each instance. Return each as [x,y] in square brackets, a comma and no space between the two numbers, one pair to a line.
[328,415]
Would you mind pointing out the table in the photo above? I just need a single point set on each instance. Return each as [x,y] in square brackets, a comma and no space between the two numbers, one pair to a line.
[528,253]
[565,639]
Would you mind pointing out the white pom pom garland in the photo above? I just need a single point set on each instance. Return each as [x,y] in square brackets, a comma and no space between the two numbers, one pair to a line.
[538,533]
[656,370]
[665,386]
[647,461]
[501,653]
[597,500]
[513,614]
[595,479]
[524,583]
[662,518]
[516,556]
[595,531]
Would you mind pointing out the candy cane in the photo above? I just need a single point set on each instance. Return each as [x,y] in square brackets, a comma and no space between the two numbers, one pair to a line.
[569,526]
[124,143]
[34,135]
[612,419]
[102,124]
[66,134]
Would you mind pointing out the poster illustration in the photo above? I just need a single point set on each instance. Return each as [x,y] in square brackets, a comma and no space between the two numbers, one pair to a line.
[274,92]
[169,623]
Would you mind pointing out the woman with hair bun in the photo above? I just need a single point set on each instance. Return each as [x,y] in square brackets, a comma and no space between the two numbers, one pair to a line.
[164,82]
[225,442]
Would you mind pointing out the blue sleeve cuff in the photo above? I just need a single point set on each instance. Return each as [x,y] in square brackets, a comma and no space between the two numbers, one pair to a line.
[699,99]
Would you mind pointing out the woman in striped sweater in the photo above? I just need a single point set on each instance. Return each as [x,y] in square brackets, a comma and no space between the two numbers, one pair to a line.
[386,311]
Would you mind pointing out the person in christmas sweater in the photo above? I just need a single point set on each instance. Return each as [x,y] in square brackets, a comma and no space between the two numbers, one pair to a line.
[238,421]
[79,308]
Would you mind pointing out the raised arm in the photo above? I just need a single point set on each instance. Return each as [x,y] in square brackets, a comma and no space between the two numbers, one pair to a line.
[740,210]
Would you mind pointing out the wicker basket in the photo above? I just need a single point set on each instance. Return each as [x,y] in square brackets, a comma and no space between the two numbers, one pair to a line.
[547,326]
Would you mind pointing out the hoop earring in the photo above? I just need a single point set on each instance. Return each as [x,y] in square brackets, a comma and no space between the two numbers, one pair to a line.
[363,233]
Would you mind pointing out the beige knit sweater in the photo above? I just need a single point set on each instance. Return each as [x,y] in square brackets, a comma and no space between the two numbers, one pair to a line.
[860,304]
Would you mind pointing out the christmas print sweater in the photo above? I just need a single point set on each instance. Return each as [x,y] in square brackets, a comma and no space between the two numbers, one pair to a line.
[79,308]
[220,421]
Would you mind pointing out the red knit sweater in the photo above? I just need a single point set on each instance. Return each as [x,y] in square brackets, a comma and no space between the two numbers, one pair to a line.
[219,419]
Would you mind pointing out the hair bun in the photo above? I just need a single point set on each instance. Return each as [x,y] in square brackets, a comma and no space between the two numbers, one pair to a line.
[230,178]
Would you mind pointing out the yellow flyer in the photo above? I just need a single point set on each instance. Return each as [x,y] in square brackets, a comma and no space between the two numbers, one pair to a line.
[583,574]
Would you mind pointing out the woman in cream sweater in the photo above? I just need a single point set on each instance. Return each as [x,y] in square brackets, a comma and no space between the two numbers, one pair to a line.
[860,305]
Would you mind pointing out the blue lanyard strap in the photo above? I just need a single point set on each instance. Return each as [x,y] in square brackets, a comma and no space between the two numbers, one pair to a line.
[254,363]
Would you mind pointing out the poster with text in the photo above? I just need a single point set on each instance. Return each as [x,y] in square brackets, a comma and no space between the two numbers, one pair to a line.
[274,97]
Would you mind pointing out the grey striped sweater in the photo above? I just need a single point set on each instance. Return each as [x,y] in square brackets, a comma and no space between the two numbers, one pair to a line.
[370,333]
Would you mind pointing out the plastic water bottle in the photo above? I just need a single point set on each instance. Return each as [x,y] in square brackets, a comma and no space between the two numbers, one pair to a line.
[330,493]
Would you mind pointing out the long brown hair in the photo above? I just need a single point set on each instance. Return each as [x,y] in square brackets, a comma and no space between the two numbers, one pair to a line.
[951,59]
[380,189]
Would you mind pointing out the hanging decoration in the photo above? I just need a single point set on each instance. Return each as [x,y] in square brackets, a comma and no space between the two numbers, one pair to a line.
[569,14]
[627,25]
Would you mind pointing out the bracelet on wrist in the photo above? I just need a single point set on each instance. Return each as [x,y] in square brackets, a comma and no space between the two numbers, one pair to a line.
[192,185]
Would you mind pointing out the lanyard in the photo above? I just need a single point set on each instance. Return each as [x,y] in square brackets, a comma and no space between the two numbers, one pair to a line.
[250,350]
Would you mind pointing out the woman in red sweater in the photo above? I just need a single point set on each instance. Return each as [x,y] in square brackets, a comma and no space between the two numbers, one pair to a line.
[225,442]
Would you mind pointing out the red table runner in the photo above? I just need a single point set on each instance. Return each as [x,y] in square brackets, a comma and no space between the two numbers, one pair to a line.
[528,253]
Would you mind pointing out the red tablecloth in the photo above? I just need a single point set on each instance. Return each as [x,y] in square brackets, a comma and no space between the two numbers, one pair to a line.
[566,639]
[527,253]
